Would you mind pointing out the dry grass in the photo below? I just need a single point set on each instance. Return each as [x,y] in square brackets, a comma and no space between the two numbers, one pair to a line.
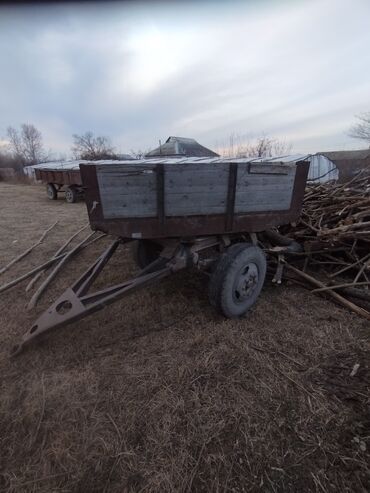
[158,393]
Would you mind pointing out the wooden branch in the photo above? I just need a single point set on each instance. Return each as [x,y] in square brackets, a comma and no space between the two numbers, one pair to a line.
[36,296]
[29,250]
[350,266]
[348,304]
[58,252]
[43,266]
[32,272]
[362,271]
[361,294]
[344,229]
[338,286]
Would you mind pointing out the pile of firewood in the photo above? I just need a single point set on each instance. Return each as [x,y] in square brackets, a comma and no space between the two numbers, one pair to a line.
[334,235]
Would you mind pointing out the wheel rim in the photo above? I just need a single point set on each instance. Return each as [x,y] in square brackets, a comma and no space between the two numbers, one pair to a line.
[245,283]
[69,196]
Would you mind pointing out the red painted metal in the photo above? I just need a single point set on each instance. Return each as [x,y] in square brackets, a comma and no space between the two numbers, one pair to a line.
[59,177]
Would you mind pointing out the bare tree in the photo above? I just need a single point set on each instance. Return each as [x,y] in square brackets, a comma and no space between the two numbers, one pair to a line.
[15,143]
[26,144]
[139,153]
[264,146]
[87,146]
[361,130]
[281,147]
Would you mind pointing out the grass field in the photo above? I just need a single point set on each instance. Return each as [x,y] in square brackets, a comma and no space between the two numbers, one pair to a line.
[158,393]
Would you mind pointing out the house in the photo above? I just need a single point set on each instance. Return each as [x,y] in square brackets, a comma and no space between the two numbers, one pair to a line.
[181,146]
[348,163]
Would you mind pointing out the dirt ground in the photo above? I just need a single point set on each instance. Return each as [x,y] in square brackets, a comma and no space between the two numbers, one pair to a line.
[158,393]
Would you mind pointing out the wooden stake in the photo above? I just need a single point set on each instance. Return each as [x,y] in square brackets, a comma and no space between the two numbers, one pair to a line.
[338,286]
[361,294]
[43,266]
[29,250]
[348,304]
[58,252]
[350,266]
[36,296]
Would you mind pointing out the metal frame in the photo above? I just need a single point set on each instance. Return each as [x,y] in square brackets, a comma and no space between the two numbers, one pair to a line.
[76,302]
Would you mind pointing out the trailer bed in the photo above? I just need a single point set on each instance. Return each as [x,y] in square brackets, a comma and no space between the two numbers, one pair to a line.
[159,198]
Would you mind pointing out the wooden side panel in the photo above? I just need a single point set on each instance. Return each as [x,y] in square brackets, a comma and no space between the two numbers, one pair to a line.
[194,189]
[192,225]
[60,177]
[264,187]
[127,191]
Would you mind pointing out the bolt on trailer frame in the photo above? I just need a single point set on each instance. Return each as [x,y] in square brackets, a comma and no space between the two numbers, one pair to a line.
[184,208]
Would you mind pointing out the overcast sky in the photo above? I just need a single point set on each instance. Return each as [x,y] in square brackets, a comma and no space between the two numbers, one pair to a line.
[139,72]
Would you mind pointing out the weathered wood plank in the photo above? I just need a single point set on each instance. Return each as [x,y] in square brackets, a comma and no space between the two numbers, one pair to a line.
[193,189]
[195,203]
[124,168]
[127,196]
[267,168]
[114,207]
[195,167]
[262,200]
[264,181]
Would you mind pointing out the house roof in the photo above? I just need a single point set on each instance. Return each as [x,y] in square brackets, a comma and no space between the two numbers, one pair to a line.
[347,155]
[181,146]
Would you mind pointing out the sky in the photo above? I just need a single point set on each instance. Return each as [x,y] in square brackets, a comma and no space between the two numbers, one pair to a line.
[137,72]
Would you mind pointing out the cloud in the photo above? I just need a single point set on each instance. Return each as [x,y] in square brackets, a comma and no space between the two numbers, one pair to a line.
[139,72]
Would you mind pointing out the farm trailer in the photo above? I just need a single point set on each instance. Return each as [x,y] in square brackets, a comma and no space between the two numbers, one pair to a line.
[65,177]
[67,180]
[203,213]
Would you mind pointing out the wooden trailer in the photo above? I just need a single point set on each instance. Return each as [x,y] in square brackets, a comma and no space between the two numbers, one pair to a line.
[61,179]
[161,198]
[202,213]
[65,177]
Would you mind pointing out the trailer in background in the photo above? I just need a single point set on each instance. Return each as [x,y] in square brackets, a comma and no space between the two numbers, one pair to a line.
[66,180]
[63,177]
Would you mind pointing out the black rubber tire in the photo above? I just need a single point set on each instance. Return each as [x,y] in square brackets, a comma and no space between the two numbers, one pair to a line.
[71,195]
[51,191]
[145,252]
[239,262]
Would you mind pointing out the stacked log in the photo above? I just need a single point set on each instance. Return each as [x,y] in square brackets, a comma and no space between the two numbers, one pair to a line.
[334,233]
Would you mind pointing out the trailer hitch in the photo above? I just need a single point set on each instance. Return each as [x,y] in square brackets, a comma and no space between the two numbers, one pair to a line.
[75,303]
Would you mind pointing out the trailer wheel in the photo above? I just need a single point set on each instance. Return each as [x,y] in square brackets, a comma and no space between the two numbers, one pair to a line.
[71,194]
[237,279]
[51,191]
[145,252]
